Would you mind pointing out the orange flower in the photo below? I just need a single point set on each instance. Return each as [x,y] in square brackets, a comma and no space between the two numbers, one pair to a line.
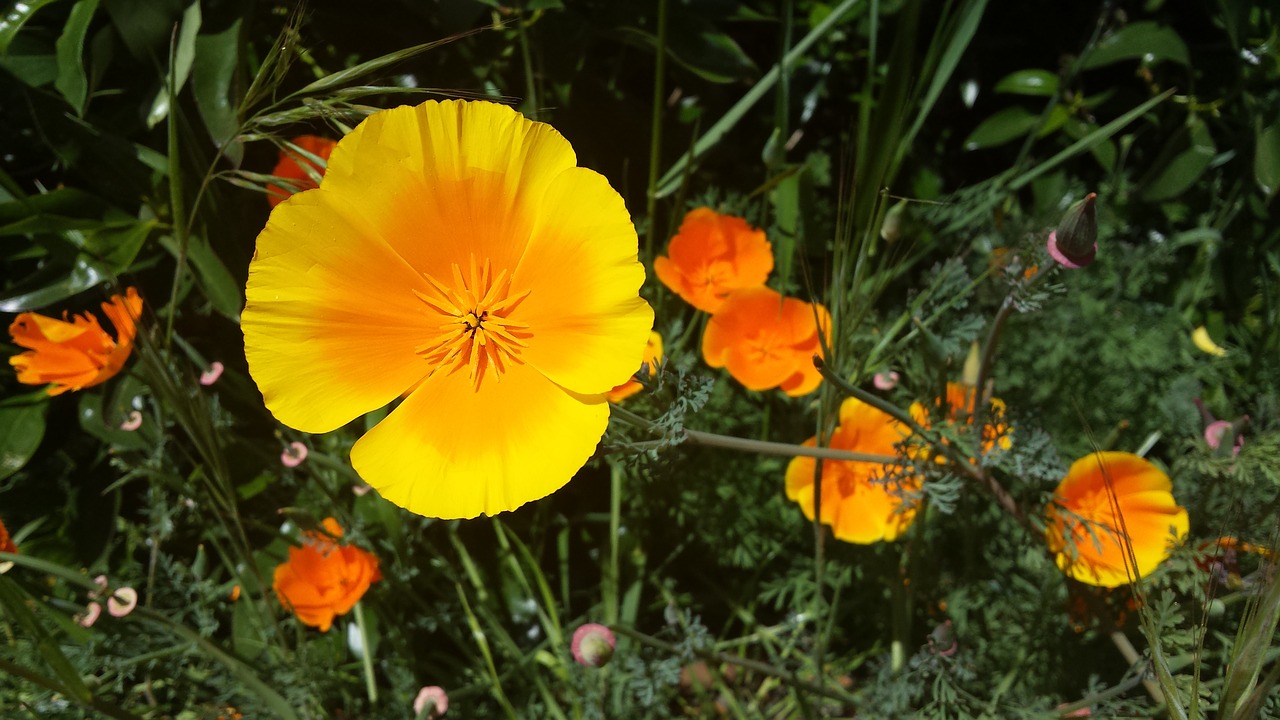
[77,354]
[652,358]
[960,408]
[713,255]
[322,579]
[1085,531]
[766,340]
[859,501]
[291,167]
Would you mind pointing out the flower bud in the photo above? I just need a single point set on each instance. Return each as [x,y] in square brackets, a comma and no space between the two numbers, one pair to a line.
[593,645]
[1075,243]
[435,695]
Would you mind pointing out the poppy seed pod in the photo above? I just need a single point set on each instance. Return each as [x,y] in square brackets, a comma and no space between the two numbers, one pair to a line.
[1075,243]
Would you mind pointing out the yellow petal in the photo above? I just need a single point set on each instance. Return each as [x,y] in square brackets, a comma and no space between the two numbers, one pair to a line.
[331,321]
[446,180]
[450,451]
[589,324]
[1200,336]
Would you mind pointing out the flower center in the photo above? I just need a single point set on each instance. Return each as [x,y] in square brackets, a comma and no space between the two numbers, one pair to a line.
[477,331]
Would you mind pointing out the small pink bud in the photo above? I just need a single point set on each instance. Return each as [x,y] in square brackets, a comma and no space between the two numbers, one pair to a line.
[593,645]
[1082,712]
[1075,243]
[122,602]
[1219,430]
[90,615]
[133,422]
[101,582]
[885,380]
[294,454]
[361,489]
[210,376]
[433,699]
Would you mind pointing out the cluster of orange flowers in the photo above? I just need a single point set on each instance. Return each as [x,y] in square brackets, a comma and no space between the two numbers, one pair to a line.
[719,264]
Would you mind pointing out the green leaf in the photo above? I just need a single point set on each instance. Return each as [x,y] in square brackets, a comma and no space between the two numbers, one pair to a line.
[214,278]
[672,177]
[184,54]
[21,430]
[31,60]
[116,246]
[1005,126]
[15,17]
[711,55]
[215,67]
[72,81]
[1038,83]
[1266,160]
[1147,41]
[1173,176]
[57,286]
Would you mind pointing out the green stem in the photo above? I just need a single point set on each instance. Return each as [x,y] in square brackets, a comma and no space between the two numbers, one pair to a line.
[763,447]
[530,89]
[615,524]
[655,131]
[366,656]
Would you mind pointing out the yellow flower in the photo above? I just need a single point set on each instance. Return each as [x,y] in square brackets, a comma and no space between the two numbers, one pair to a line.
[1083,516]
[652,358]
[859,501]
[75,354]
[960,410]
[454,248]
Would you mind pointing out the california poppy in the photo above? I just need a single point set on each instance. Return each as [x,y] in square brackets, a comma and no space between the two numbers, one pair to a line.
[454,248]
[77,353]
[297,168]
[863,502]
[652,358]
[712,255]
[766,340]
[323,579]
[6,542]
[1107,501]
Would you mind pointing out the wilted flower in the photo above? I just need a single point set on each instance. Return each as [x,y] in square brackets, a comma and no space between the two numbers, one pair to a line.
[1108,502]
[75,354]
[652,358]
[323,579]
[454,248]
[295,453]
[592,645]
[436,696]
[766,340]
[1075,243]
[863,502]
[711,256]
[299,169]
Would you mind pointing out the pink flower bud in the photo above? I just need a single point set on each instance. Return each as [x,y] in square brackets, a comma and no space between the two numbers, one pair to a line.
[435,695]
[90,615]
[133,422]
[122,602]
[885,380]
[210,376]
[593,645]
[294,454]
